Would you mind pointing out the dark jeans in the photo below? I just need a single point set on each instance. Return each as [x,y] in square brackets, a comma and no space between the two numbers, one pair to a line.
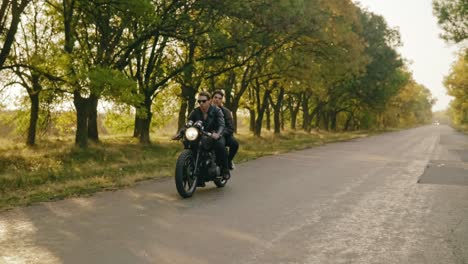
[220,151]
[233,145]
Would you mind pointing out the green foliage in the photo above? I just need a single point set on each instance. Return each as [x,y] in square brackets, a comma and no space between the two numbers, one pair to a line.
[456,83]
[20,118]
[385,74]
[410,107]
[119,120]
[128,53]
[113,85]
[338,62]
[64,123]
[6,127]
[165,107]
[367,120]
[452,16]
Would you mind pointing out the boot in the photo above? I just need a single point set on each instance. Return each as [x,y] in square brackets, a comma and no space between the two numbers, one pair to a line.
[226,174]
[232,166]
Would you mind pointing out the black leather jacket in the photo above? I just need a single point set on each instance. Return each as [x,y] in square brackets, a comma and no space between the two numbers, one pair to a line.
[228,120]
[213,123]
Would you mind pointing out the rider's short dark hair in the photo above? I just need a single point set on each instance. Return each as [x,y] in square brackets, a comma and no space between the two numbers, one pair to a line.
[205,93]
[220,92]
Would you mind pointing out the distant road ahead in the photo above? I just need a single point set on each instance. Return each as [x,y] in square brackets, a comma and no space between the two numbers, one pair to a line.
[350,202]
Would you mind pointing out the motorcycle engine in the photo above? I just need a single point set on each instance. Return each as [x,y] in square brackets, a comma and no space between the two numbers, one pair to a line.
[213,170]
[207,142]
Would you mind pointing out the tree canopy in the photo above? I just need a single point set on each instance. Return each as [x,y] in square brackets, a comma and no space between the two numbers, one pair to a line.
[452,16]
[457,86]
[318,64]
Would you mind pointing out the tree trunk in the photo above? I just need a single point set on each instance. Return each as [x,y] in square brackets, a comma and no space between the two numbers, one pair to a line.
[305,116]
[234,117]
[258,125]
[146,123]
[380,121]
[93,133]
[293,120]
[33,93]
[191,102]
[187,104]
[228,88]
[261,112]
[326,120]
[252,120]
[348,121]
[34,115]
[276,121]
[182,114]
[283,119]
[277,111]
[294,109]
[138,123]
[82,113]
[235,100]
[333,116]
[318,114]
[268,117]
[16,11]
[188,87]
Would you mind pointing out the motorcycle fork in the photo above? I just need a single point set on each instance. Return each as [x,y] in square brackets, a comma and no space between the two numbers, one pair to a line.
[195,170]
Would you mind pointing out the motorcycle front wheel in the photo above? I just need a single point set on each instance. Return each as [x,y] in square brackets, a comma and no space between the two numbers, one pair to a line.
[185,178]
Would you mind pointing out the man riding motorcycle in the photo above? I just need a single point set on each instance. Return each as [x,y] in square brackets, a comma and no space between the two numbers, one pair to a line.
[231,142]
[213,121]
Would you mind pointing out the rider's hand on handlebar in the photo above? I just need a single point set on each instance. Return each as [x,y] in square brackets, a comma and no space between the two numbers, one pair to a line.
[216,136]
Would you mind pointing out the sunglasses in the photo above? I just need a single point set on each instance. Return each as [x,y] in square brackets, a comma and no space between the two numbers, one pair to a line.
[201,101]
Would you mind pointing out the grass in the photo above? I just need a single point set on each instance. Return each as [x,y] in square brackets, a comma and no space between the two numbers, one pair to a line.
[462,128]
[56,169]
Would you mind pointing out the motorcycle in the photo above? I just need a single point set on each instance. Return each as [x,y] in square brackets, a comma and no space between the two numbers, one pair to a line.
[196,165]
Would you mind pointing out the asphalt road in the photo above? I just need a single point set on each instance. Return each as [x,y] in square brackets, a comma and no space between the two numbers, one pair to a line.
[399,197]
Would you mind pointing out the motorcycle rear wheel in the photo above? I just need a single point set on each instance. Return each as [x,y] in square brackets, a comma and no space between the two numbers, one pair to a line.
[185,178]
[220,183]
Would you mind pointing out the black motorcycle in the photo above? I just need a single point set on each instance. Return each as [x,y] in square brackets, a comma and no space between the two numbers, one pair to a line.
[196,165]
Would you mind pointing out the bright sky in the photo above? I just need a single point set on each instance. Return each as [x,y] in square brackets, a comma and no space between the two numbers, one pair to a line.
[430,57]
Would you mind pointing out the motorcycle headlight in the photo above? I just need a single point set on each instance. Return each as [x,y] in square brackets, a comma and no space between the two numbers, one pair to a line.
[191,134]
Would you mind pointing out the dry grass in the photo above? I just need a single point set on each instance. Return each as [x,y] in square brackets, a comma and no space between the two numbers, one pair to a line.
[56,169]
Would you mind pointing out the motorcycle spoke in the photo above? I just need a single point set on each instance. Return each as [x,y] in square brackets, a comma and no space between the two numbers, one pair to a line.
[188,179]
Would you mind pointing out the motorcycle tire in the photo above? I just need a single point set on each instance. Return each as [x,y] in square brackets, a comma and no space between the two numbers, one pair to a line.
[185,180]
[220,183]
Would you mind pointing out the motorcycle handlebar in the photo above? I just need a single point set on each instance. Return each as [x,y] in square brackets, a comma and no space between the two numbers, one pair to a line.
[207,133]
[180,135]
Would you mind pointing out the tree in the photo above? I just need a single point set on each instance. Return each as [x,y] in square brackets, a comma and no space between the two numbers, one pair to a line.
[159,60]
[196,53]
[328,58]
[10,15]
[457,86]
[385,73]
[452,16]
[33,60]
[411,106]
[95,52]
